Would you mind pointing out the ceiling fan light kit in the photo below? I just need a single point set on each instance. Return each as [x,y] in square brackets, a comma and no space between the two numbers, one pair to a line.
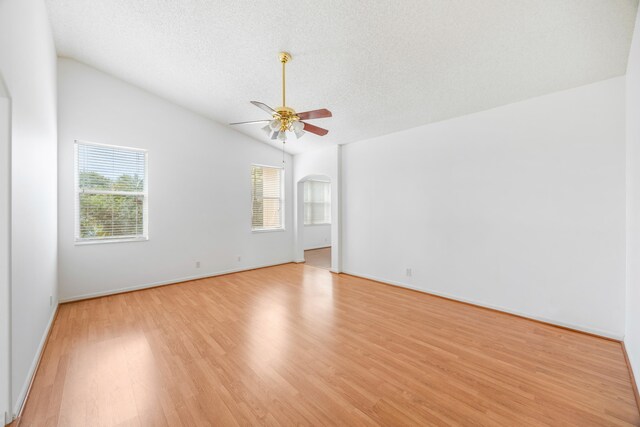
[285,119]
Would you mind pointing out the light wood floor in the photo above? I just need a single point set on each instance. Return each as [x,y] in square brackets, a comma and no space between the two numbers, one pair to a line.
[318,258]
[296,344]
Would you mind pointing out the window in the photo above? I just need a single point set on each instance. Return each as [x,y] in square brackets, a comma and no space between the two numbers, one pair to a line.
[111,193]
[267,202]
[317,202]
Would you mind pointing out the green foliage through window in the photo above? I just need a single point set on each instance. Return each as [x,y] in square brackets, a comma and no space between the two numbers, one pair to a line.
[111,192]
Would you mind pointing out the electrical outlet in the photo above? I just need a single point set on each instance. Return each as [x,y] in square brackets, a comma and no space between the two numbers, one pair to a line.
[409,272]
[197,264]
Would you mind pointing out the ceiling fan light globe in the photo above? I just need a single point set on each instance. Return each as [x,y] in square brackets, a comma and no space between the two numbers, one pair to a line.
[299,133]
[297,126]
[274,124]
[282,136]
[267,129]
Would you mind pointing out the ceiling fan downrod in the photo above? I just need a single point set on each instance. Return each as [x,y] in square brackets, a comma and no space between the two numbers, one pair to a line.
[284,58]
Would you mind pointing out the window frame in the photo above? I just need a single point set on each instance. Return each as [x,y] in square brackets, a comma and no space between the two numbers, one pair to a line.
[145,197]
[282,200]
[305,203]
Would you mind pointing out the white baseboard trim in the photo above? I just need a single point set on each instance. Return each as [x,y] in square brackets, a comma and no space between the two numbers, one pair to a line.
[579,328]
[324,246]
[298,261]
[166,282]
[34,366]
[632,375]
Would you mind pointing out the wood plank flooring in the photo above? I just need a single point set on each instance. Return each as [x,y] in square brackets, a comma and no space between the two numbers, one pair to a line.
[293,344]
[318,258]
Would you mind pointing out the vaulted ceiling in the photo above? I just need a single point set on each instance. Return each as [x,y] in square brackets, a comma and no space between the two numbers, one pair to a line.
[379,66]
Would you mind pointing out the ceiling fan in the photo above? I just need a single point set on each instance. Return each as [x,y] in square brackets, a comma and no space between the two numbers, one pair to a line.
[285,119]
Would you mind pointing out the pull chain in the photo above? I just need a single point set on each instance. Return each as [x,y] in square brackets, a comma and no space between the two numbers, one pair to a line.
[283,154]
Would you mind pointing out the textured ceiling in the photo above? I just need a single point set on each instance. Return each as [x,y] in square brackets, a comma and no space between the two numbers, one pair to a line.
[379,66]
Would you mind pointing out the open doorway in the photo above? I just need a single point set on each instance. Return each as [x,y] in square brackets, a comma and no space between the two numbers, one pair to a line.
[316,224]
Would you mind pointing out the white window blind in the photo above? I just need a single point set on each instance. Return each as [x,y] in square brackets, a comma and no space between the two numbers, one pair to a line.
[111,193]
[317,202]
[267,202]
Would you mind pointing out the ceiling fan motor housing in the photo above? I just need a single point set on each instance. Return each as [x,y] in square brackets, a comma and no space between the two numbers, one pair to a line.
[287,116]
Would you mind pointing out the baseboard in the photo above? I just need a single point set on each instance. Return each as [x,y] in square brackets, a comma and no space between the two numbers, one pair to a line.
[634,384]
[313,248]
[166,282]
[576,328]
[26,388]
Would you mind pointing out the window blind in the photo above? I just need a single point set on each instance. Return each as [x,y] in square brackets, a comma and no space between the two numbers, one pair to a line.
[317,202]
[266,197]
[111,197]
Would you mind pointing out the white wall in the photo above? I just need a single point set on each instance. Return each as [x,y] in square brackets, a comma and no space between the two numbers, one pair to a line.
[199,189]
[317,236]
[520,208]
[632,334]
[319,164]
[28,65]
[5,254]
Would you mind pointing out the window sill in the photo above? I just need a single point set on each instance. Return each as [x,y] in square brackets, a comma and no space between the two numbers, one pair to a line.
[320,223]
[268,230]
[106,241]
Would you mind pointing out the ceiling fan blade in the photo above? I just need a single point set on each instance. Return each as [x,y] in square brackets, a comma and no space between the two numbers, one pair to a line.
[275,135]
[248,123]
[264,107]
[315,129]
[315,114]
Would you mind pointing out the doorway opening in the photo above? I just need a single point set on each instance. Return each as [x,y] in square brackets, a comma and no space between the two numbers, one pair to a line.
[315,225]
